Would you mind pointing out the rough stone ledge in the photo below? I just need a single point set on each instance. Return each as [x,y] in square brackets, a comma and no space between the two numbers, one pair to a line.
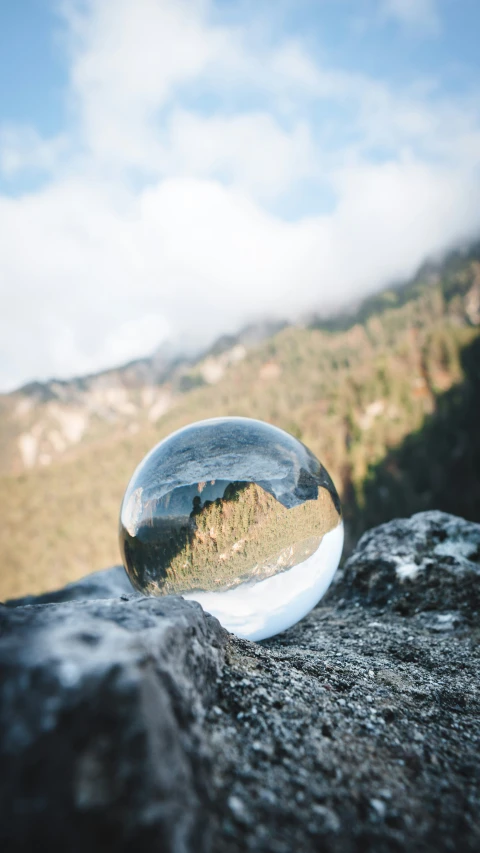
[430,561]
[357,730]
[101,708]
[107,583]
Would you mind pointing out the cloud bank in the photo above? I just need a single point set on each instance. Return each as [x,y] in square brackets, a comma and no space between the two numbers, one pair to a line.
[176,204]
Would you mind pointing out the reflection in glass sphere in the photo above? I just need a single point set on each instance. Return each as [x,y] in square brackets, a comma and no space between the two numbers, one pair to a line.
[238,515]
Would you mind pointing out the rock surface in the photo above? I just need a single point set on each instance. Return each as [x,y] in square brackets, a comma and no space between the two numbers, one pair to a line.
[107,583]
[356,730]
[101,706]
[429,562]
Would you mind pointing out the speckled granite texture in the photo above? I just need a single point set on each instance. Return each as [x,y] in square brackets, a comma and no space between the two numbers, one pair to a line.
[139,724]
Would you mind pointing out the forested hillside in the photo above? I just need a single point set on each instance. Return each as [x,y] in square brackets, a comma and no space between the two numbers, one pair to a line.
[388,398]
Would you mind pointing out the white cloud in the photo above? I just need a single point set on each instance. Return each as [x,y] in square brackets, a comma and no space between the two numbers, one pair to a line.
[154,223]
[197,258]
[251,151]
[419,15]
[127,60]
[23,149]
[131,60]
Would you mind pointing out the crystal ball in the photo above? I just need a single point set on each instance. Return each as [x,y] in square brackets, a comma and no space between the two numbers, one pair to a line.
[238,515]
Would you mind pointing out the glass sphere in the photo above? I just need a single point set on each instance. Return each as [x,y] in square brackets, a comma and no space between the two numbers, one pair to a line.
[238,515]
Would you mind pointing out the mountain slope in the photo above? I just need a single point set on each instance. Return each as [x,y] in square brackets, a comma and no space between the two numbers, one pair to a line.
[45,421]
[356,390]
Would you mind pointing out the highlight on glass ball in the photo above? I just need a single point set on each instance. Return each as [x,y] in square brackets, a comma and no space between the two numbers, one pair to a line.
[238,515]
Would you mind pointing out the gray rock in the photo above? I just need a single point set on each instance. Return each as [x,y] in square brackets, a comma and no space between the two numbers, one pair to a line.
[356,730]
[430,561]
[107,583]
[101,705]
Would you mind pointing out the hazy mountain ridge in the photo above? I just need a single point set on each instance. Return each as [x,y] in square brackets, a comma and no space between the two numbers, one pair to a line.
[42,421]
[389,403]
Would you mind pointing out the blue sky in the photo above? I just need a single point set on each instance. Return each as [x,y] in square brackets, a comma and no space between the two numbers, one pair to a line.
[171,169]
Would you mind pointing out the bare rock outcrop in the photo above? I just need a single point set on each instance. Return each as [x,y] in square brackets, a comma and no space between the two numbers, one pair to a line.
[137,724]
[101,715]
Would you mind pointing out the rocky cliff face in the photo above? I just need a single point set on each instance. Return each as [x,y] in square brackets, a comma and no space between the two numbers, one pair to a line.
[139,724]
[43,422]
